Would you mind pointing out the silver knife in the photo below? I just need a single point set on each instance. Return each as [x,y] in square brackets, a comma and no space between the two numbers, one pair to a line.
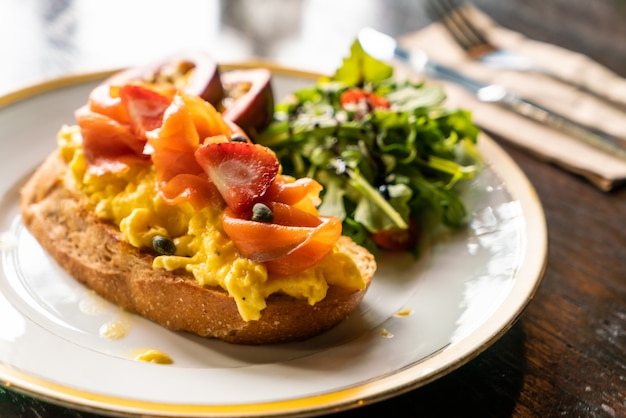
[384,48]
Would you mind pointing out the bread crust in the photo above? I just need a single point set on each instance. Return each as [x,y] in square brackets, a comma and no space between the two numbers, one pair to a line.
[94,253]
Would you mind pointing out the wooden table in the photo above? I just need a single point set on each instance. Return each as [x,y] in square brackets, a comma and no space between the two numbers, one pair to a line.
[566,356]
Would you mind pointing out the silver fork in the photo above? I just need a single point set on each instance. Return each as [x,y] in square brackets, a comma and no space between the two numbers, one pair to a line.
[454,15]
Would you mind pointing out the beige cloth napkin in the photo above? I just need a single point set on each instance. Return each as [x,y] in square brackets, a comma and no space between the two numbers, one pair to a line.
[604,170]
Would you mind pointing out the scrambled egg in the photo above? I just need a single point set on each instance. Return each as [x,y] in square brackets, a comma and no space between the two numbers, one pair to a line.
[203,249]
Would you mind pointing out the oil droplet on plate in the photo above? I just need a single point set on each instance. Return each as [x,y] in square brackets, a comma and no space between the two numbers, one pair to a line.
[115,329]
[151,355]
[385,333]
[8,241]
[92,304]
[404,312]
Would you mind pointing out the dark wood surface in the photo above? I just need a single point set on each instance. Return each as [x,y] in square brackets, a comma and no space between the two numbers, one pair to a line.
[566,356]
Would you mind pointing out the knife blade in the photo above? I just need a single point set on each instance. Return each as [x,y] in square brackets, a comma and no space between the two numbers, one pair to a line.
[383,47]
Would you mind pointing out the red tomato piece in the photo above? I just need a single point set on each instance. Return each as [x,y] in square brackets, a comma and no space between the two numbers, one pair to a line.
[355,96]
[397,239]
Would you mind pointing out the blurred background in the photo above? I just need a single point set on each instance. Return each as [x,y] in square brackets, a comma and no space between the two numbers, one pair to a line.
[46,38]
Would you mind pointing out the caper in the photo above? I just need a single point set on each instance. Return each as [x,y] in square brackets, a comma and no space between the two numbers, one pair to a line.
[261,213]
[163,245]
[237,137]
[383,189]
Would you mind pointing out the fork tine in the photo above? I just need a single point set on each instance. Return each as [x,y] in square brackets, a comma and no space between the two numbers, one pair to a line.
[454,17]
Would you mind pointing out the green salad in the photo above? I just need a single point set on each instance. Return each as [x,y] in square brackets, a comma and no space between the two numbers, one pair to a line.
[390,155]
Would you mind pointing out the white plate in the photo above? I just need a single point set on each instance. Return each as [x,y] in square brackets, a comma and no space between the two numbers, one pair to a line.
[419,320]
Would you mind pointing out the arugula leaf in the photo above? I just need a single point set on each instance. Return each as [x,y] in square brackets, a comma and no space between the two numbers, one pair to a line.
[410,97]
[359,68]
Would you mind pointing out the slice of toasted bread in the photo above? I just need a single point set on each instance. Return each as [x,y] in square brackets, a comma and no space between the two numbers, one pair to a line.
[94,253]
